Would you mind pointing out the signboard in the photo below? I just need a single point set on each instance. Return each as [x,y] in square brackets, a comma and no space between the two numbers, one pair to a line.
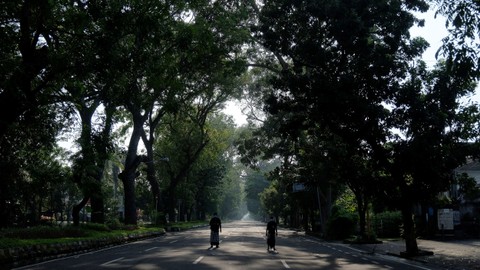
[445,219]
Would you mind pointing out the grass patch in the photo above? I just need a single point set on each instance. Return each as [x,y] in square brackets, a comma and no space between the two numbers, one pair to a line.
[11,238]
[44,235]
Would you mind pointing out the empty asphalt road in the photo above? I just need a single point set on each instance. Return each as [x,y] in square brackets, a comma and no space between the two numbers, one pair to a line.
[242,246]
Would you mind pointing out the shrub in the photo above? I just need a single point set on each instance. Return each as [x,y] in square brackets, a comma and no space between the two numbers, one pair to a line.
[95,227]
[388,224]
[158,218]
[341,224]
[45,232]
[340,227]
[114,223]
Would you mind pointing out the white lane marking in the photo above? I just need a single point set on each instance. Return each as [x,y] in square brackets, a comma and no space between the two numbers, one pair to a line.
[171,242]
[198,260]
[112,261]
[285,264]
[385,257]
[151,248]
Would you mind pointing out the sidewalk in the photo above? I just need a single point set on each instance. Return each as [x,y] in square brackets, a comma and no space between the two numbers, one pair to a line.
[447,254]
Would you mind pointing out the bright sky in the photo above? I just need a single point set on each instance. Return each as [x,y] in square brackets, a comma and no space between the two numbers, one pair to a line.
[233,108]
[433,31]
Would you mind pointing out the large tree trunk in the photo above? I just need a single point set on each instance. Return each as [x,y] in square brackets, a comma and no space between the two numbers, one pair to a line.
[97,200]
[132,161]
[151,171]
[151,176]
[409,230]
[171,204]
[362,218]
[129,173]
[96,197]
[128,180]
[76,211]
[93,158]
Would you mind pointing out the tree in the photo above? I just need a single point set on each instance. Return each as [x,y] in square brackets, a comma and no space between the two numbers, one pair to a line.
[213,178]
[30,73]
[460,47]
[143,57]
[88,89]
[255,183]
[233,192]
[257,152]
[95,147]
[183,139]
[270,198]
[189,54]
[468,188]
[435,131]
[29,140]
[343,87]
[28,53]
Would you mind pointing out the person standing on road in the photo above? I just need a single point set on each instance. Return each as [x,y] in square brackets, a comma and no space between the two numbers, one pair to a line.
[271,232]
[215,229]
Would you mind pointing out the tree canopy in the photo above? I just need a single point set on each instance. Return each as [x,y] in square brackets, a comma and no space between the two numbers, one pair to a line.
[339,102]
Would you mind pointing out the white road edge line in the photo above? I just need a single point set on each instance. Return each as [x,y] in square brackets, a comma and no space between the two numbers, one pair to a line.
[391,258]
[112,261]
[285,264]
[198,260]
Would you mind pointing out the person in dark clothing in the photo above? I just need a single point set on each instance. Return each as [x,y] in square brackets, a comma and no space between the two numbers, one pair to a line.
[271,232]
[215,229]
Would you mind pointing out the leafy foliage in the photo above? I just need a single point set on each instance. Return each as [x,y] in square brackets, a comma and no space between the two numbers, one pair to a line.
[388,224]
[340,225]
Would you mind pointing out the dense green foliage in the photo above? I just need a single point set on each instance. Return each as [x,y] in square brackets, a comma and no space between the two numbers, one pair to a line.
[343,114]
[117,66]
[387,224]
[350,104]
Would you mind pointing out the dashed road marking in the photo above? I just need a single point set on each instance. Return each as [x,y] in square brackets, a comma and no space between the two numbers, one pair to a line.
[171,242]
[285,264]
[198,260]
[151,248]
[112,261]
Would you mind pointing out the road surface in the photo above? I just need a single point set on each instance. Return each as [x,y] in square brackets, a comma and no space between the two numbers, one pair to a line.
[242,246]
